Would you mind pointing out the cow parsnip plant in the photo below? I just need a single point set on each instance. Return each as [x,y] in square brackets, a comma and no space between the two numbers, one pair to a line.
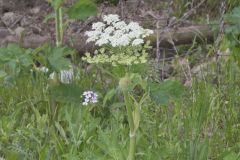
[120,43]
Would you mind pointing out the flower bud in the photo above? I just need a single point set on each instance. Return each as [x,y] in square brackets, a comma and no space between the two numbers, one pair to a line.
[125,83]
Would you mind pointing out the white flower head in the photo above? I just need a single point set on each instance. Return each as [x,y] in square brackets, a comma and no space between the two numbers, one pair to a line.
[89,97]
[134,26]
[109,30]
[147,33]
[111,18]
[137,42]
[120,25]
[93,35]
[103,39]
[43,69]
[117,33]
[98,26]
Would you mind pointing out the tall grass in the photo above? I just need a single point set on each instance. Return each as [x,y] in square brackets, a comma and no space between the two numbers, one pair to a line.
[203,125]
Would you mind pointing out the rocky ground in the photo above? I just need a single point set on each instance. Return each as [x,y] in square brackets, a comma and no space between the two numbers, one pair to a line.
[22,22]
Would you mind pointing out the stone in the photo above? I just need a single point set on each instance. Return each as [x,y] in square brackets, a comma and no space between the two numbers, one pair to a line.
[19,31]
[4,32]
[10,19]
[26,21]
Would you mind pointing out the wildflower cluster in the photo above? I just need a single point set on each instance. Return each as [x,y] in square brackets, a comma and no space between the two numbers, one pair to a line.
[117,33]
[89,97]
[121,43]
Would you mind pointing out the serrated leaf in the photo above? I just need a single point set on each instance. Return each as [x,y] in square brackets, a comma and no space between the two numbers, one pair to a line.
[26,60]
[161,93]
[57,60]
[82,9]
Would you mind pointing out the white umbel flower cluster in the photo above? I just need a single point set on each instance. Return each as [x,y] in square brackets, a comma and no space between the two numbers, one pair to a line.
[117,33]
[89,97]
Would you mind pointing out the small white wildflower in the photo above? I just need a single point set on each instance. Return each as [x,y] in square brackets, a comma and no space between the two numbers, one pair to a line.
[66,76]
[43,69]
[118,34]
[123,41]
[120,25]
[134,26]
[89,97]
[52,75]
[101,42]
[111,18]
[93,35]
[137,42]
[109,30]
[84,103]
[147,33]
[98,26]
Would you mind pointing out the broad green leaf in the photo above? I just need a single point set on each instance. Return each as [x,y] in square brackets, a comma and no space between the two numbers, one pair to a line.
[26,60]
[57,60]
[161,93]
[82,9]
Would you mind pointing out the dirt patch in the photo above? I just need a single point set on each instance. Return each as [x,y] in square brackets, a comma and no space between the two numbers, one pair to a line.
[22,20]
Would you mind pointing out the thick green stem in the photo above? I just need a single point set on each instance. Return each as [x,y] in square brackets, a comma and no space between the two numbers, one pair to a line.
[132,146]
[59,26]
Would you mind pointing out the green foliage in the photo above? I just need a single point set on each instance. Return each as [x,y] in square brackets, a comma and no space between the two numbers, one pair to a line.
[55,59]
[115,2]
[200,122]
[15,59]
[127,55]
[67,93]
[14,62]
[171,121]
[164,92]
[232,29]
[56,3]
[82,9]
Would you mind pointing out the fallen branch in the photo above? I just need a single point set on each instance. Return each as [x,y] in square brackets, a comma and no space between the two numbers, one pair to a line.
[177,36]
[184,35]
